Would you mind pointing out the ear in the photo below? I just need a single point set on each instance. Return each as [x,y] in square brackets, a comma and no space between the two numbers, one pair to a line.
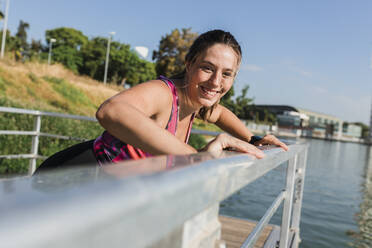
[187,66]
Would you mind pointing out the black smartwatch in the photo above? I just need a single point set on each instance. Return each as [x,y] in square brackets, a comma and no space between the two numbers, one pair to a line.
[254,139]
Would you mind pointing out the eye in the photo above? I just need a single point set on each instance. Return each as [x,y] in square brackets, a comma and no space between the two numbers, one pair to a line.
[227,74]
[207,68]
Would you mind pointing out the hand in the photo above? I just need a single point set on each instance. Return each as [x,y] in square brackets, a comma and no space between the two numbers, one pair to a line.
[271,140]
[224,141]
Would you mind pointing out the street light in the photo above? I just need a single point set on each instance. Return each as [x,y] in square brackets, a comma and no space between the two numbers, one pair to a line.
[4,29]
[107,56]
[51,41]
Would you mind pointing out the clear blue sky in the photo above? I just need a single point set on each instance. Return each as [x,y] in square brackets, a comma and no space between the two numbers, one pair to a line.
[310,54]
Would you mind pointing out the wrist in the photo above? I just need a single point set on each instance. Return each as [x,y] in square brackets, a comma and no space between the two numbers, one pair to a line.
[254,139]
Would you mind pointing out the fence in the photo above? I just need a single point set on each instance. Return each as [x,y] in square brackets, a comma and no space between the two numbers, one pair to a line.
[35,133]
[166,201]
[33,156]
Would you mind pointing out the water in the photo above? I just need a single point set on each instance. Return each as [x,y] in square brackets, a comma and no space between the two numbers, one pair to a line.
[337,191]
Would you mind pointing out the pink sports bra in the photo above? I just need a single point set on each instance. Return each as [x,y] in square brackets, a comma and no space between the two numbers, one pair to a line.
[109,149]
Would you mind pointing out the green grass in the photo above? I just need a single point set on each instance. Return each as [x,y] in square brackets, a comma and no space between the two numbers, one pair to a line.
[71,94]
[33,78]
[3,85]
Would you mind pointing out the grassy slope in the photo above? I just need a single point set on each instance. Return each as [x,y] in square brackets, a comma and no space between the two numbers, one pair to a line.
[56,89]
[50,88]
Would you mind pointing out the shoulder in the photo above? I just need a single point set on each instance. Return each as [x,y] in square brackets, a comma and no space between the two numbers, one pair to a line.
[150,97]
[151,89]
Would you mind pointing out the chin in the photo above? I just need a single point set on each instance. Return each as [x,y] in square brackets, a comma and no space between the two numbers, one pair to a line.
[208,103]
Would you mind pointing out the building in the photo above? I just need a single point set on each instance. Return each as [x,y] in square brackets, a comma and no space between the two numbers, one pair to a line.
[323,125]
[313,124]
[350,130]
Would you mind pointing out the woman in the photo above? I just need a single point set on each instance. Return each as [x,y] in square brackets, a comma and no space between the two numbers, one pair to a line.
[156,117]
[141,116]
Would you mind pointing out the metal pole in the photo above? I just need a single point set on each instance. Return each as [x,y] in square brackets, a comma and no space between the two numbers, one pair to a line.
[35,145]
[287,209]
[50,52]
[107,57]
[299,188]
[370,127]
[255,234]
[5,26]
[51,41]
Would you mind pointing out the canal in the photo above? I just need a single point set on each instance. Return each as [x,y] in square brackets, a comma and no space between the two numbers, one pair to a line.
[337,204]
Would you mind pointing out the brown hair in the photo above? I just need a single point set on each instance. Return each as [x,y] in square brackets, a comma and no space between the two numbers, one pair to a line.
[202,43]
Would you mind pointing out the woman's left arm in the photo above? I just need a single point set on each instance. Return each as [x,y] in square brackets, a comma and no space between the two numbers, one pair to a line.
[229,122]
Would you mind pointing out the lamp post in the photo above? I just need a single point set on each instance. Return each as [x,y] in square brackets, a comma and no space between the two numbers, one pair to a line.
[4,29]
[51,41]
[107,56]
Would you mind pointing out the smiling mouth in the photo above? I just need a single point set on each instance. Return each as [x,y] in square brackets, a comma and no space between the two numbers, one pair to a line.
[209,92]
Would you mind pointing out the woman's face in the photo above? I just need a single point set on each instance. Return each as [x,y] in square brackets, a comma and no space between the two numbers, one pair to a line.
[211,75]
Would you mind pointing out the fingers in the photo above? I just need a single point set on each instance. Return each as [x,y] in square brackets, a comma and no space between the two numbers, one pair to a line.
[282,145]
[242,146]
[224,141]
[272,140]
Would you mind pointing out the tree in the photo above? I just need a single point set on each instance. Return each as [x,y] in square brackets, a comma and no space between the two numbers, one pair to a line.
[173,47]
[93,55]
[227,100]
[124,64]
[66,49]
[66,37]
[242,104]
[12,43]
[35,49]
[21,35]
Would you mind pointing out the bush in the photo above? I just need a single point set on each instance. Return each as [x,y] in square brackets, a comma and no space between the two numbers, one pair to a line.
[19,144]
[197,141]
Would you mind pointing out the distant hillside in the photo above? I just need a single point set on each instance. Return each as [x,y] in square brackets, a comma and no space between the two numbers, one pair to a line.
[52,88]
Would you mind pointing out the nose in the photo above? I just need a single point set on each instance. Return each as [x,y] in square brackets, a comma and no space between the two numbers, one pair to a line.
[215,80]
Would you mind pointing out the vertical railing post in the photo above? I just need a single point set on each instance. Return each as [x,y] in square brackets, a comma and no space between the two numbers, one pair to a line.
[287,209]
[35,145]
[299,188]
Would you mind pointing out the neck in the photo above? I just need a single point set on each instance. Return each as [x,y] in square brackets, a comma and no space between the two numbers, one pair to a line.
[187,108]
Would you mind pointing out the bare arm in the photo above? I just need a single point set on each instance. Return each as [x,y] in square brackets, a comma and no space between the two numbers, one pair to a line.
[227,121]
[127,116]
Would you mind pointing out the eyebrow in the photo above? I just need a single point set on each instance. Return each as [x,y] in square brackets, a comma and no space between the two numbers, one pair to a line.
[208,62]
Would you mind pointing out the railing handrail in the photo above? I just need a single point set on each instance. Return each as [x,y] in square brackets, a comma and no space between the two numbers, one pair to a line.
[44,113]
[96,211]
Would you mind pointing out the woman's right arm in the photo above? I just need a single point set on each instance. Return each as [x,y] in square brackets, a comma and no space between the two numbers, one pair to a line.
[127,116]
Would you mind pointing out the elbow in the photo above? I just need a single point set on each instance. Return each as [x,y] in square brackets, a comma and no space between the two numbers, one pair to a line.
[104,114]
[100,114]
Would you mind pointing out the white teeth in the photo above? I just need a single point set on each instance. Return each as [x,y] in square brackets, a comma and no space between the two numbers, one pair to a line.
[209,92]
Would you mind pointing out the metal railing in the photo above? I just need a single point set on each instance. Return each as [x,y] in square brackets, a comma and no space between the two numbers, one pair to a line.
[94,207]
[36,133]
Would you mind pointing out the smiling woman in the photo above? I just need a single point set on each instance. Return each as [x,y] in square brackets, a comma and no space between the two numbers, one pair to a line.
[156,117]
